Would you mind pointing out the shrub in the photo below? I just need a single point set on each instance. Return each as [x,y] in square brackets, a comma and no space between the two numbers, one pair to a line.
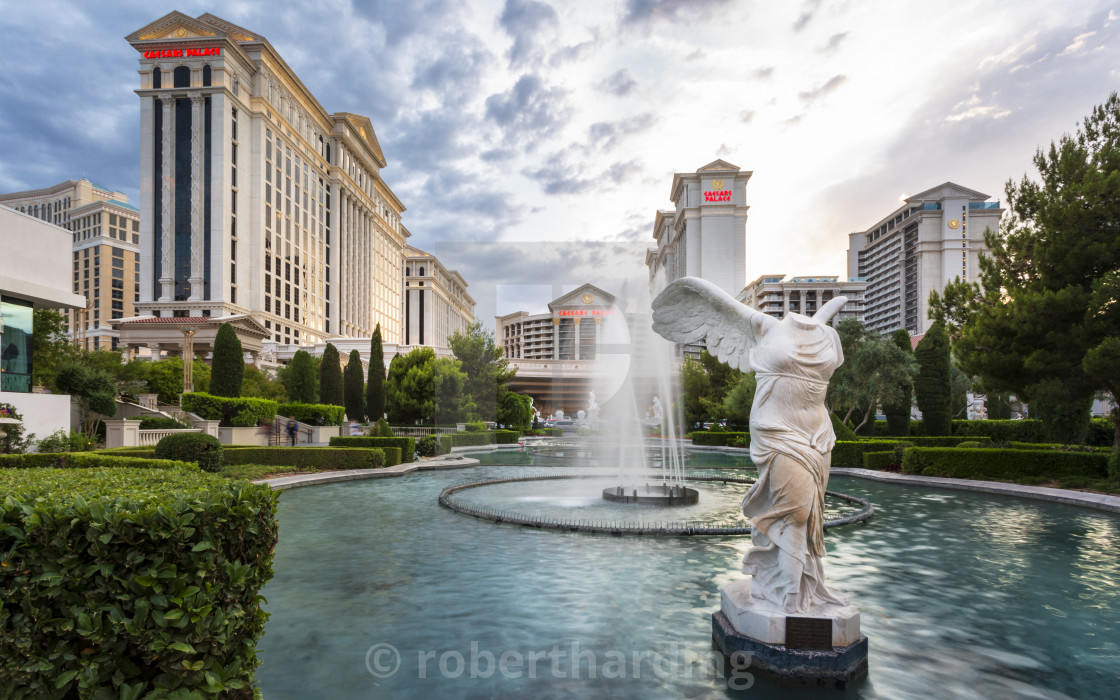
[843,432]
[899,452]
[192,447]
[1114,466]
[506,437]
[313,413]
[879,461]
[427,446]
[383,429]
[1001,430]
[132,582]
[90,460]
[239,412]
[476,426]
[160,423]
[227,368]
[330,377]
[470,439]
[942,440]
[325,458]
[969,444]
[963,463]
[353,388]
[848,454]
[62,441]
[546,432]
[1102,433]
[718,438]
[145,452]
[406,445]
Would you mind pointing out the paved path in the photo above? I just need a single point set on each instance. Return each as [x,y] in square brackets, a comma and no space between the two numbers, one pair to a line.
[1099,501]
[446,462]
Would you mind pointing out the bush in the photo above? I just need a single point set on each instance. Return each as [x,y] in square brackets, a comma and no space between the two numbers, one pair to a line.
[1008,465]
[843,432]
[545,432]
[476,426]
[406,445]
[1102,433]
[470,439]
[62,441]
[324,458]
[848,454]
[192,447]
[132,582]
[942,440]
[879,461]
[90,460]
[313,413]
[383,429]
[427,446]
[145,452]
[1114,466]
[1001,430]
[718,438]
[506,437]
[160,423]
[240,412]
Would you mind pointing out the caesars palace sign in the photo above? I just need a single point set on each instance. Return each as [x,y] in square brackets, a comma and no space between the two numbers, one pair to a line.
[717,193]
[184,53]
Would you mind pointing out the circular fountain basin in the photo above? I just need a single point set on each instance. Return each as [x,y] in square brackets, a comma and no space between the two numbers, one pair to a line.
[656,495]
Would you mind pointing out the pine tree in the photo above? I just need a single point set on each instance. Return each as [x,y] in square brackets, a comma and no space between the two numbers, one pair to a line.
[228,367]
[375,384]
[330,377]
[299,378]
[932,386]
[352,379]
[898,414]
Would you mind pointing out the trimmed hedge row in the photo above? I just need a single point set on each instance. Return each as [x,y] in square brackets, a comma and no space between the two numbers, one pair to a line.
[325,458]
[192,447]
[241,412]
[718,438]
[981,463]
[129,583]
[406,445]
[313,413]
[89,460]
[1101,430]
[941,440]
[159,423]
[879,461]
[847,454]
[468,439]
[144,452]
[506,437]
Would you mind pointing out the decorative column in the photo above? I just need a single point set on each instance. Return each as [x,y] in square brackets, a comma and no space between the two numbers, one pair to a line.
[575,323]
[166,278]
[188,359]
[598,331]
[197,116]
[555,338]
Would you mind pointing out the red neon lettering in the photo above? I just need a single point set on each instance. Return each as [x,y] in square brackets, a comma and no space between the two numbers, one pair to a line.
[179,53]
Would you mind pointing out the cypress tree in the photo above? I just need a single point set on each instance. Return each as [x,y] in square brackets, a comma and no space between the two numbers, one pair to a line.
[352,379]
[330,377]
[898,414]
[300,377]
[375,384]
[228,368]
[932,386]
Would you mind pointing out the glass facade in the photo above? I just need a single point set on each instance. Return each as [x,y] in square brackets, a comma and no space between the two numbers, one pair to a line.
[15,344]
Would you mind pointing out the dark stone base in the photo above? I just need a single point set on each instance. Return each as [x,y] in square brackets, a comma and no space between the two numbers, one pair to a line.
[839,666]
[655,495]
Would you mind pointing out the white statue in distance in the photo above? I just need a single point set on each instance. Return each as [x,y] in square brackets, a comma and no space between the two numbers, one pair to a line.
[791,431]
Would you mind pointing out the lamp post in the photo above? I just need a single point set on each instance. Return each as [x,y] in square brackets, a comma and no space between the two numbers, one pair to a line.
[188,358]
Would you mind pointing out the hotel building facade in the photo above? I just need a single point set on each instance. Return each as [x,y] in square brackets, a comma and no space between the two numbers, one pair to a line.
[777,296]
[933,238]
[436,302]
[705,234]
[105,256]
[256,201]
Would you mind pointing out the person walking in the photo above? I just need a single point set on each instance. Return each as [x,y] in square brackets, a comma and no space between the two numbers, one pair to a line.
[292,430]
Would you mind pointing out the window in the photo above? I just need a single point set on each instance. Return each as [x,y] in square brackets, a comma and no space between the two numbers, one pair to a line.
[16,339]
[206,75]
[156,79]
[182,77]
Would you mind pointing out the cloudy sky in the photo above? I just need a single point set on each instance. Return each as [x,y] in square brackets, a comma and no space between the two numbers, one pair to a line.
[532,142]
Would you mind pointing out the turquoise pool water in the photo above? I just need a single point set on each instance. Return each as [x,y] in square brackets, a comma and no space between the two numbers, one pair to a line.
[380,592]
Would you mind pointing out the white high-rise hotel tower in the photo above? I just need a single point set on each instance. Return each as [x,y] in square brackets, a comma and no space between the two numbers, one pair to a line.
[254,199]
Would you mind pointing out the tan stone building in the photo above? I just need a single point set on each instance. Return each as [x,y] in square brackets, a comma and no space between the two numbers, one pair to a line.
[105,258]
[436,302]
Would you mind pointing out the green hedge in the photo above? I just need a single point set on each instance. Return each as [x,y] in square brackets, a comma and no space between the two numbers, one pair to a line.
[313,413]
[159,423]
[878,461]
[324,458]
[546,432]
[942,440]
[145,452]
[1101,430]
[718,438]
[89,460]
[241,412]
[506,437]
[192,447]
[129,583]
[407,446]
[981,463]
[849,455]
[469,439]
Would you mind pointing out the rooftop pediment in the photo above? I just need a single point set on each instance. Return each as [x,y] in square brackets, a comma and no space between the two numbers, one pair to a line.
[174,25]
[947,190]
[718,164]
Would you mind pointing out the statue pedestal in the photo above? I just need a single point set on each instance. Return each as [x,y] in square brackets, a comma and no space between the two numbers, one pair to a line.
[823,644]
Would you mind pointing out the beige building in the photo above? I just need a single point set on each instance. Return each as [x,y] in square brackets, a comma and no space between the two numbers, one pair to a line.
[436,302]
[105,257]
[777,296]
[256,201]
[933,238]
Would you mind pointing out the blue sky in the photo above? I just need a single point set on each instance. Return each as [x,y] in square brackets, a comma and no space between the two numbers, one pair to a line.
[532,142]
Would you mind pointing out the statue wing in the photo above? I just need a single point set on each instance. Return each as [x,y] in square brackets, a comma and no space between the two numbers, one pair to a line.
[690,310]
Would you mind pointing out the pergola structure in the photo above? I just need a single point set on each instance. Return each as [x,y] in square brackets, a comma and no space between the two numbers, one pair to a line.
[187,336]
